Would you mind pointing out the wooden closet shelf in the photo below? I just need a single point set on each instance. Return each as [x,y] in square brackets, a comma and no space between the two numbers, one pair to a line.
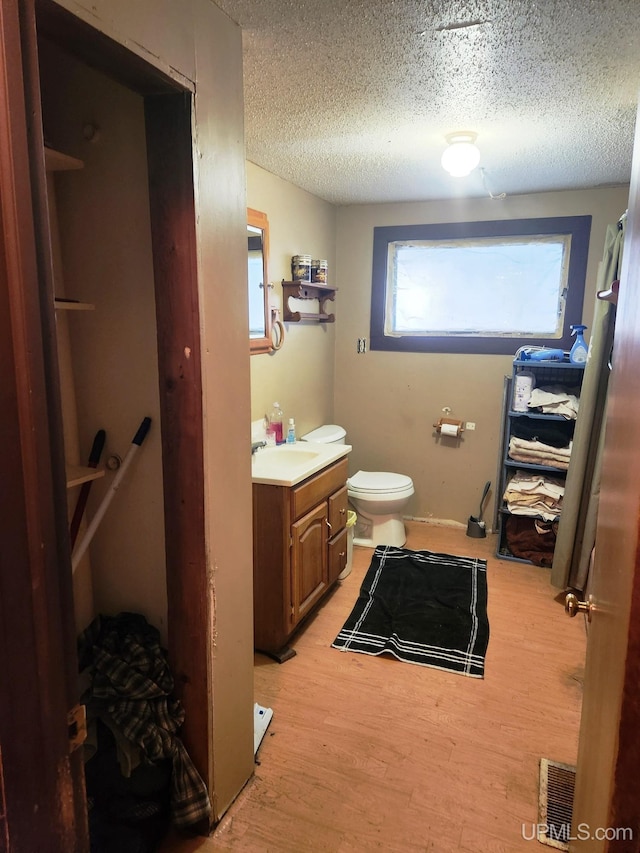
[73,305]
[78,474]
[56,161]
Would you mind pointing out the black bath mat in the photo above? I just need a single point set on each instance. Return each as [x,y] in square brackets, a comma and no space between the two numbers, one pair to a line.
[421,607]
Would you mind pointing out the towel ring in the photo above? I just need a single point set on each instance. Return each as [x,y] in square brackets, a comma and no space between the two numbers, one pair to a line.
[278,325]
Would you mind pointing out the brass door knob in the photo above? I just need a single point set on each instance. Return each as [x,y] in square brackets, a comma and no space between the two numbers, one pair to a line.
[572,606]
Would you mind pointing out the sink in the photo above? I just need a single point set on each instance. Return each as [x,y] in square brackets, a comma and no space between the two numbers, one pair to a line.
[289,464]
[286,456]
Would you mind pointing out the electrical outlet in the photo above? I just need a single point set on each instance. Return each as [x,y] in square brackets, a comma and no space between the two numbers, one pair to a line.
[471,426]
[361,346]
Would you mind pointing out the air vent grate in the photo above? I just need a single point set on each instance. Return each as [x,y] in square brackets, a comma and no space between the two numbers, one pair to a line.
[555,804]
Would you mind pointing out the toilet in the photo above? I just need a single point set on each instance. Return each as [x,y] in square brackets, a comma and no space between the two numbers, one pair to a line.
[378,497]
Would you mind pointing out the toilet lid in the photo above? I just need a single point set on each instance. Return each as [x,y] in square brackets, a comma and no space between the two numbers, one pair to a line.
[378,481]
[326,434]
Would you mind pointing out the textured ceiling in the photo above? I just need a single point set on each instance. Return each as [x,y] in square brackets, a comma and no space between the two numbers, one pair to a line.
[352,99]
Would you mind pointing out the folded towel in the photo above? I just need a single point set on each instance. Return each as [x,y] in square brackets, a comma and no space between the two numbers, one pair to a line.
[554,433]
[534,495]
[540,447]
[555,400]
[531,539]
[539,454]
[531,482]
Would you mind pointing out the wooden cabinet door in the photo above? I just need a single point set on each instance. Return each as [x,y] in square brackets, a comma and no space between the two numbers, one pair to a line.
[338,504]
[309,575]
[337,554]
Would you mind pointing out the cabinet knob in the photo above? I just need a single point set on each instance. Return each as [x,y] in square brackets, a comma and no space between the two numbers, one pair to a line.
[342,511]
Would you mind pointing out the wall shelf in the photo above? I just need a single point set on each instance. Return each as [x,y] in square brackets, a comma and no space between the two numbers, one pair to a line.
[78,474]
[307,290]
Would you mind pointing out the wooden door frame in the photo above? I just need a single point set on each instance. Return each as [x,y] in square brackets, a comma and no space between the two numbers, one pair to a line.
[36,597]
[173,237]
[168,122]
[43,790]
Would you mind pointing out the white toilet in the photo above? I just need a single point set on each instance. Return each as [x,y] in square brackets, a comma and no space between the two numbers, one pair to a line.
[378,497]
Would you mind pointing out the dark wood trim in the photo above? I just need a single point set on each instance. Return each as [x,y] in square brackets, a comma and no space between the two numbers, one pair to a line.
[44,795]
[99,51]
[578,226]
[169,151]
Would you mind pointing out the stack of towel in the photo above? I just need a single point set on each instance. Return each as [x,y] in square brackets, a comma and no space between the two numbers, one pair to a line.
[531,539]
[539,453]
[554,400]
[534,495]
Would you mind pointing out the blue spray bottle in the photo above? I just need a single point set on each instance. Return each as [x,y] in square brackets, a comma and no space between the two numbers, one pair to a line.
[579,350]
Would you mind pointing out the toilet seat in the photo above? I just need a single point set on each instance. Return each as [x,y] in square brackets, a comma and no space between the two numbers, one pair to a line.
[378,482]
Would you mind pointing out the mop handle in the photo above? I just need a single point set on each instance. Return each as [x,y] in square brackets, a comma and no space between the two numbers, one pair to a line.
[137,440]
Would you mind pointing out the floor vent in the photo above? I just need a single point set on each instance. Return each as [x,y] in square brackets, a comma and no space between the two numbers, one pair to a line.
[555,804]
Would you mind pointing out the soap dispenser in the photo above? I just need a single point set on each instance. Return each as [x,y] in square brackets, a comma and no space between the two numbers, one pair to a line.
[579,350]
[291,432]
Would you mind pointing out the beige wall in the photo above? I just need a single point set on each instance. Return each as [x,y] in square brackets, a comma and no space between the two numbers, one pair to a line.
[300,375]
[106,260]
[195,43]
[103,213]
[388,402]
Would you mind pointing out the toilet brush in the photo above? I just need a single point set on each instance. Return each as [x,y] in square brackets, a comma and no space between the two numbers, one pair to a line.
[476,528]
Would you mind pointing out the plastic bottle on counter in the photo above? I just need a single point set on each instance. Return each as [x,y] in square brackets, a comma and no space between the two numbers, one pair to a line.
[269,432]
[291,432]
[579,350]
[275,422]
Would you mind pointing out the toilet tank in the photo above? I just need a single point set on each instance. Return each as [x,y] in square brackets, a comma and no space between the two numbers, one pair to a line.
[327,434]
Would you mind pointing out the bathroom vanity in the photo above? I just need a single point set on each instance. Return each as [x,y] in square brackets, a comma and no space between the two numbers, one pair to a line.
[299,548]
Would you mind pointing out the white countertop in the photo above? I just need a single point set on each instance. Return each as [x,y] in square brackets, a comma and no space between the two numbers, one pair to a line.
[289,464]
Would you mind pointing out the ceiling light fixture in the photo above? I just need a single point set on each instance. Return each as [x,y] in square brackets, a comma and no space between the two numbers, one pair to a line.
[461,156]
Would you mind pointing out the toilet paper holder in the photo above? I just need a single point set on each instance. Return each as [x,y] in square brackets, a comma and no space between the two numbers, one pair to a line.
[449,427]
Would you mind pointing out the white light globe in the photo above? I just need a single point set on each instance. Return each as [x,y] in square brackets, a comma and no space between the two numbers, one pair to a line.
[460,158]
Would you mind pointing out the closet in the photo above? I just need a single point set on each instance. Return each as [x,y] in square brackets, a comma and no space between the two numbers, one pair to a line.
[107,353]
[195,243]
[117,158]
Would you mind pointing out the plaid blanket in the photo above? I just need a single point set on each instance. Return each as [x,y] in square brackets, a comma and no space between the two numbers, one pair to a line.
[131,683]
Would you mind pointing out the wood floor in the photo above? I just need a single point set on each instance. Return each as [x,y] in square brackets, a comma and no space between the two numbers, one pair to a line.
[370,754]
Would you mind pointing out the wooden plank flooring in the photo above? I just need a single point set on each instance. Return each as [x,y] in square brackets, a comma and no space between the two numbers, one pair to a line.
[370,754]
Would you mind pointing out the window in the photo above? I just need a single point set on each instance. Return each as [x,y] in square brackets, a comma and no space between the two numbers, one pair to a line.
[483,287]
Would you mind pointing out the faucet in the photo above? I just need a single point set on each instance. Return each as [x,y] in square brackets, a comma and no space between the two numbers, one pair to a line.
[256,445]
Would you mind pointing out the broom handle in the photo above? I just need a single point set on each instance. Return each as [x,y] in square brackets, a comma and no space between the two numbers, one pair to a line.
[137,440]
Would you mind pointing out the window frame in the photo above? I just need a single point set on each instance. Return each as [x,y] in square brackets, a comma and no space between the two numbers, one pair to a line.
[579,227]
